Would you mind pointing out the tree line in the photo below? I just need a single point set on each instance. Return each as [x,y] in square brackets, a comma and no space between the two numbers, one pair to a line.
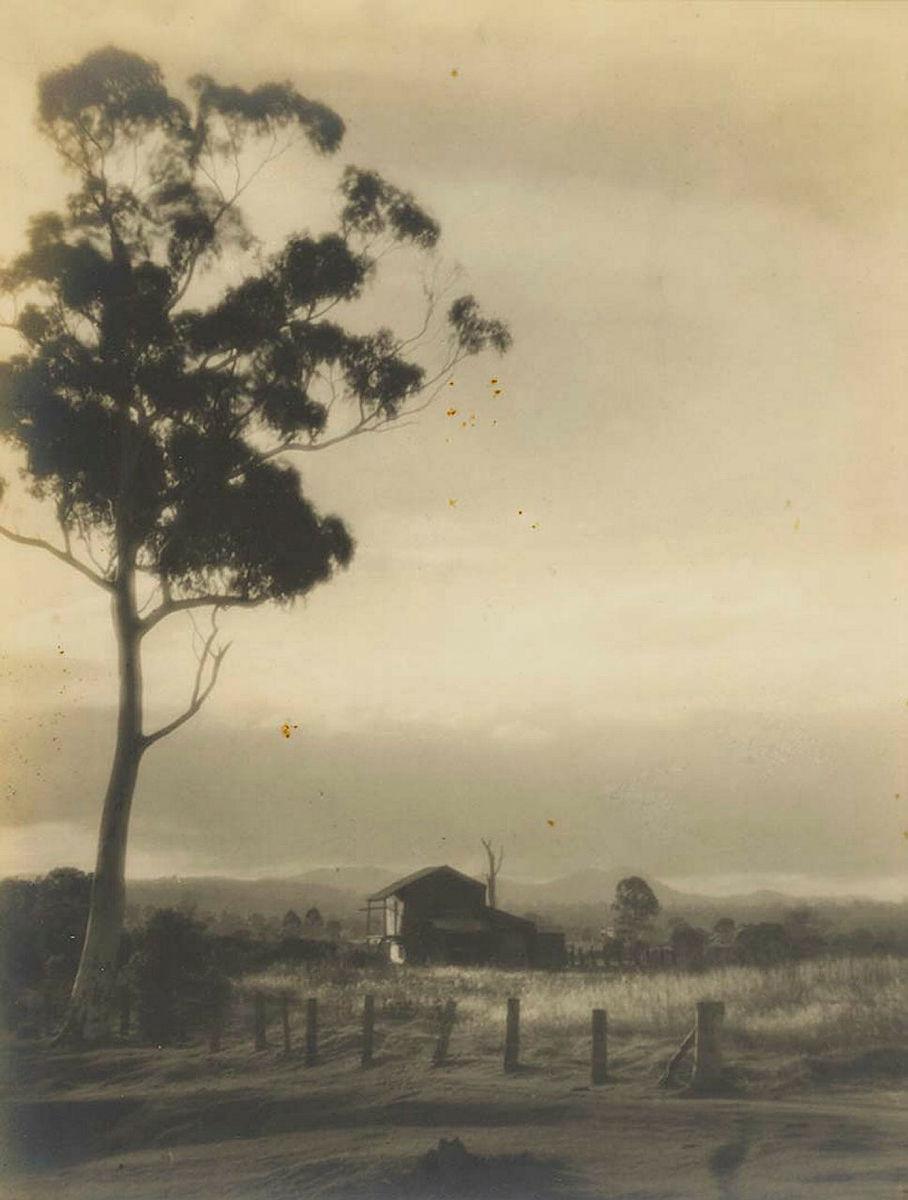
[176,970]
[633,937]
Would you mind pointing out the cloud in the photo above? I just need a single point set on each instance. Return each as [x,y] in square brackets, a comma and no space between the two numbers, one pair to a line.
[711,795]
[692,217]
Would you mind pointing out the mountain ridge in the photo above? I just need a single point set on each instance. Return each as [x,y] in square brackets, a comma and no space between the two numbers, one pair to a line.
[582,896]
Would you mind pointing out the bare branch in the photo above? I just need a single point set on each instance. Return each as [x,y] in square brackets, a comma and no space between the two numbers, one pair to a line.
[170,606]
[494,868]
[200,693]
[373,422]
[433,291]
[63,555]
[364,425]
[227,204]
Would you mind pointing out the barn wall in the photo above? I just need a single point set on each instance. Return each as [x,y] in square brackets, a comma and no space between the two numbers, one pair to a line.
[512,947]
[441,896]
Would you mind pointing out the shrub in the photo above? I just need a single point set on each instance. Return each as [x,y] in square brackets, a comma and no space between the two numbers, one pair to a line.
[763,944]
[179,982]
[42,923]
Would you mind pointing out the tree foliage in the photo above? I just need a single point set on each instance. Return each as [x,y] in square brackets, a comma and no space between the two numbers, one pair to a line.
[155,418]
[763,944]
[179,980]
[291,924]
[152,422]
[41,926]
[634,906]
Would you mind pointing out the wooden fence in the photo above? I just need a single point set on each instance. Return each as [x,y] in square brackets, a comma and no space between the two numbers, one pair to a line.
[703,1044]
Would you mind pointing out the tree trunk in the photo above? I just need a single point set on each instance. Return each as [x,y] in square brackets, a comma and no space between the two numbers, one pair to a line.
[93,1001]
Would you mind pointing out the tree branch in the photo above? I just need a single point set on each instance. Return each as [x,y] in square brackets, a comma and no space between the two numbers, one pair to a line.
[371,422]
[170,606]
[199,693]
[362,426]
[227,205]
[63,555]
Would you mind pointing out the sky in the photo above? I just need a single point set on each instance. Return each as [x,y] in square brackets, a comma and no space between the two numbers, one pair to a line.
[641,601]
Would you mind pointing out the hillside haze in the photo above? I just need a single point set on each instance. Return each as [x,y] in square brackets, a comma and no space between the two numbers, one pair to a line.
[578,902]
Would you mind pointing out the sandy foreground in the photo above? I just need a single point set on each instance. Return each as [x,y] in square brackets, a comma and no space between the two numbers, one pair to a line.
[140,1124]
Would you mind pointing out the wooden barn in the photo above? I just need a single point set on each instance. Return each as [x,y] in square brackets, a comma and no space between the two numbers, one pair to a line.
[440,915]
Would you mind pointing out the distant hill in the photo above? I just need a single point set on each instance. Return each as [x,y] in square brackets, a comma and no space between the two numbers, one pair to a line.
[579,901]
[592,886]
[361,880]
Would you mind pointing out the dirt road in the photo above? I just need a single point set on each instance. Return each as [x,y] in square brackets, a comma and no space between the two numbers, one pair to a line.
[179,1126]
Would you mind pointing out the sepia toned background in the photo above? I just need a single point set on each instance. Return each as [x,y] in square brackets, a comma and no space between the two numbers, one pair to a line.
[641,601]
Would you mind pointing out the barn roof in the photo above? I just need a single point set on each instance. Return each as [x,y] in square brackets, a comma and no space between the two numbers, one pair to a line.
[400,885]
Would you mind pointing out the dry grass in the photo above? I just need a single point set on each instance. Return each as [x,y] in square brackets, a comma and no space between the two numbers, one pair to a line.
[818,1006]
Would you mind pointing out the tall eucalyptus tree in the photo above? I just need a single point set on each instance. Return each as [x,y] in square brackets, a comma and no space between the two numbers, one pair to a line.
[161,430]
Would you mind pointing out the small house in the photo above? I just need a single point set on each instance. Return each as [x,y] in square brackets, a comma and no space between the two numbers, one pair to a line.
[440,915]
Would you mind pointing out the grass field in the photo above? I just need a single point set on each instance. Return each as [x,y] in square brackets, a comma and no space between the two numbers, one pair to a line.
[818,1108]
[816,1006]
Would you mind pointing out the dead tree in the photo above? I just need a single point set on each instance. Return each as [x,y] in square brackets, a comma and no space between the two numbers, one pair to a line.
[494,868]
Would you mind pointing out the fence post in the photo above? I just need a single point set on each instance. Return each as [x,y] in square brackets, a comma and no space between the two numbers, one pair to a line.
[311,1031]
[368,1030]
[444,1034]
[512,1035]
[285,1021]
[600,1046]
[261,1022]
[708,1045]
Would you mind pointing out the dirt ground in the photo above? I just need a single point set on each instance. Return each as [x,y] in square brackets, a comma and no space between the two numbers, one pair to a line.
[140,1124]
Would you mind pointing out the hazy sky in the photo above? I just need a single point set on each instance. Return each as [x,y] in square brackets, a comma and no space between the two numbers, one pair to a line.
[666,611]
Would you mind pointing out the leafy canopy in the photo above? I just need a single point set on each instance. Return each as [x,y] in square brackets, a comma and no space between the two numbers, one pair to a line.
[154,425]
[634,906]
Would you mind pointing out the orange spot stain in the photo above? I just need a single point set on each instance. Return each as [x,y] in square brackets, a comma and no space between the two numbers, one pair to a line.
[452,504]
[454,72]
[550,823]
[451,412]
[287,729]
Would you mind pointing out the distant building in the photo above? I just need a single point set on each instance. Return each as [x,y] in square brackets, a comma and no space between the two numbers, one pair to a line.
[439,915]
